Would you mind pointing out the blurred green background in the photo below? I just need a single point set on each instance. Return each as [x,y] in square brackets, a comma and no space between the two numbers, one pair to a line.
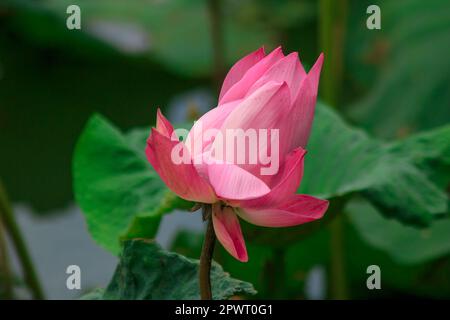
[131,57]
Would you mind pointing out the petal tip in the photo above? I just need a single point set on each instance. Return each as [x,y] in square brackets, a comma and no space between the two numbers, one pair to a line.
[244,258]
[318,64]
[293,55]
[277,51]
[262,51]
[162,124]
[228,231]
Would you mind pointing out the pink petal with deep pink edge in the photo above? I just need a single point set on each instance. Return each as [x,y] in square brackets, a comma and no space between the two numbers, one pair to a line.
[163,125]
[302,110]
[286,183]
[297,210]
[239,69]
[228,231]
[232,182]
[182,179]
[240,88]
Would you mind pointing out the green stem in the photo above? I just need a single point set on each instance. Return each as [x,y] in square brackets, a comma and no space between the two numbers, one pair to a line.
[337,272]
[218,46]
[275,273]
[333,19]
[11,225]
[206,255]
[5,269]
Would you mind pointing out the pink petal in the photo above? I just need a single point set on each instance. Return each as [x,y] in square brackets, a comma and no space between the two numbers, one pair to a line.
[239,69]
[297,210]
[314,73]
[228,231]
[232,182]
[163,125]
[302,113]
[213,119]
[286,183]
[261,110]
[240,88]
[288,69]
[182,178]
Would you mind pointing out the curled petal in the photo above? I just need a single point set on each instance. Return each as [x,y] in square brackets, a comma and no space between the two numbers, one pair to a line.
[285,184]
[297,210]
[228,231]
[239,69]
[232,182]
[183,178]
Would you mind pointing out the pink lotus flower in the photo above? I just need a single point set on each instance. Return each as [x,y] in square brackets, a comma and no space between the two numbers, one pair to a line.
[260,91]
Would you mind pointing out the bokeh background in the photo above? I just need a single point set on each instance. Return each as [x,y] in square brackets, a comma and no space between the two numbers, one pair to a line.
[131,57]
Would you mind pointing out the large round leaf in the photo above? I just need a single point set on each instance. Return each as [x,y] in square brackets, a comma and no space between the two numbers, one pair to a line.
[120,194]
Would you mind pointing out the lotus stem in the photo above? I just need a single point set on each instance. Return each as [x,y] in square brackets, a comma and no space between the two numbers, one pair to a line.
[5,269]
[338,277]
[218,45]
[332,25]
[206,255]
[10,224]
